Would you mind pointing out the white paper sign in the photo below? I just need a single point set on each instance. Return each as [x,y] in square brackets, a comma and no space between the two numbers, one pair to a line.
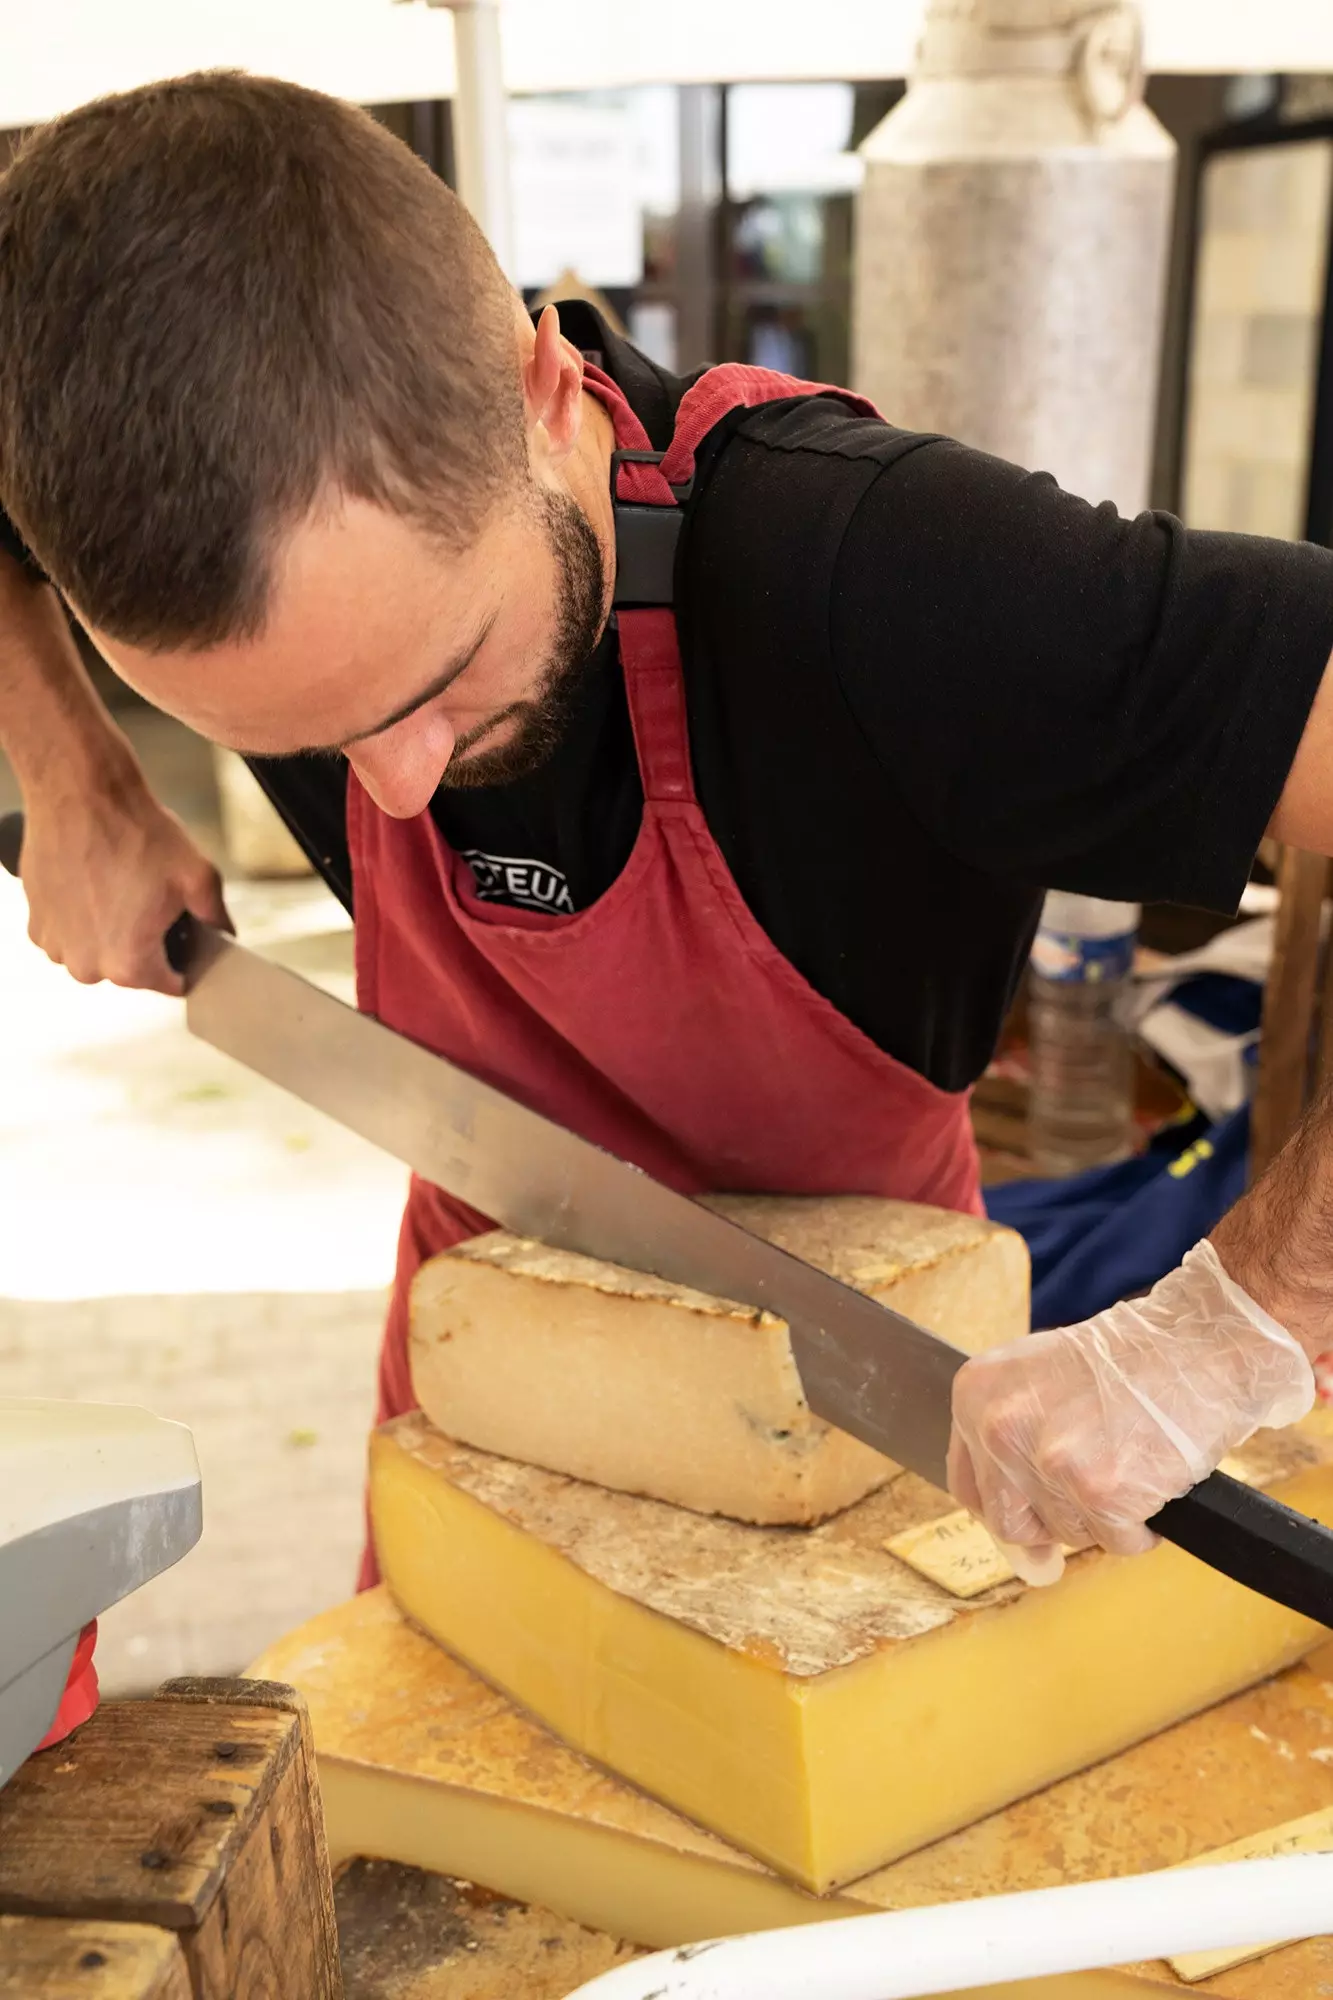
[576,195]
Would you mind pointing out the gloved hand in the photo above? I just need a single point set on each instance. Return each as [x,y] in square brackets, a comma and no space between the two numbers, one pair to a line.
[1079,1435]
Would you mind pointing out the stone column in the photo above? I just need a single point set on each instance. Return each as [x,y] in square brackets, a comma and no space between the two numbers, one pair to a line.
[1011,242]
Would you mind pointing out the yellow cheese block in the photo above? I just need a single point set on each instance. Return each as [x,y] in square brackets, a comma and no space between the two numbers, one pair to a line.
[618,1378]
[1239,1770]
[802,1691]
[421,1763]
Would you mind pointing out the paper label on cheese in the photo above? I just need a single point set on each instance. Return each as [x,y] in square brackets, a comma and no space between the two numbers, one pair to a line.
[1311,1835]
[956,1552]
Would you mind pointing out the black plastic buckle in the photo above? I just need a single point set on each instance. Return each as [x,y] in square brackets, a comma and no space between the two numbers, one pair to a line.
[646,538]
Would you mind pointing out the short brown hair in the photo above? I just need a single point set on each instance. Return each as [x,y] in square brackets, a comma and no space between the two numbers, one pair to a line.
[219,297]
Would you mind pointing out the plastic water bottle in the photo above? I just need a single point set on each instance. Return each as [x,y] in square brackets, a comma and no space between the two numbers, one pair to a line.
[1081,1110]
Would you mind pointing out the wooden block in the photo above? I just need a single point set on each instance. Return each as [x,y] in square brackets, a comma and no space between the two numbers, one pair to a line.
[409,1935]
[297,1843]
[50,1958]
[197,1813]
[1282,1087]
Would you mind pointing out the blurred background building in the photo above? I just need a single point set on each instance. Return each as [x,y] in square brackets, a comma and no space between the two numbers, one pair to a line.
[698,173]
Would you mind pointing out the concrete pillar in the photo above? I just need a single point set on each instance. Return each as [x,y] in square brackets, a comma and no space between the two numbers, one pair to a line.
[1011,242]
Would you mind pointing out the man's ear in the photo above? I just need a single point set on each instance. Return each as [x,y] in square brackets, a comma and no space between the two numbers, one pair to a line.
[552,388]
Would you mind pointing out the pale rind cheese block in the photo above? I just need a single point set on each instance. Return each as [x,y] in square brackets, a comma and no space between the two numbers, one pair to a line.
[421,1763]
[802,1692]
[586,1368]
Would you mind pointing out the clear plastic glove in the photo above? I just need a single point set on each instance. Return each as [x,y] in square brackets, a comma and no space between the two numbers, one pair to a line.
[1080,1435]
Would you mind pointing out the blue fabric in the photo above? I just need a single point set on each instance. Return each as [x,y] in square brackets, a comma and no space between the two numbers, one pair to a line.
[1231,1005]
[1103,1235]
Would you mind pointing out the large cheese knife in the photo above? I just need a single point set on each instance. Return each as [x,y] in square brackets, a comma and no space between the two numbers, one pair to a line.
[864,1368]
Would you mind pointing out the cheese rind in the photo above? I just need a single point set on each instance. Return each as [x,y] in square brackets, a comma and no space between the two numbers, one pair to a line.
[617,1378]
[407,1935]
[804,1694]
[420,1762]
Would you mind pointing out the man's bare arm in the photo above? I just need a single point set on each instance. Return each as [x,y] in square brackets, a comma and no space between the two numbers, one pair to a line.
[106,868]
[54,730]
[1304,815]
[1278,1240]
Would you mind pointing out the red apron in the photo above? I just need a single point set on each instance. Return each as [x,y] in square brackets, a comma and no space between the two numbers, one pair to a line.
[661,1022]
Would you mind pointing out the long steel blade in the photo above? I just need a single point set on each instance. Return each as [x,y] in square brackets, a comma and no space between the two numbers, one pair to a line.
[863,1367]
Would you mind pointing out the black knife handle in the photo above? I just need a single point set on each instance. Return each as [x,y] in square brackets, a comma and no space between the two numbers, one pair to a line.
[11,841]
[179,940]
[1255,1539]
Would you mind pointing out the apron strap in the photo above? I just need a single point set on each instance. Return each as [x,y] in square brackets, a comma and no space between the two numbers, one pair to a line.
[647,523]
[655,685]
[647,489]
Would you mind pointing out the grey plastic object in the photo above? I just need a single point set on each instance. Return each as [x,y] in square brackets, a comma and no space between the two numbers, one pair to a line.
[63,1561]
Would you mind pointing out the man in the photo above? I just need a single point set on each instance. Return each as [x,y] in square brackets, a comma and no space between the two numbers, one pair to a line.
[730,861]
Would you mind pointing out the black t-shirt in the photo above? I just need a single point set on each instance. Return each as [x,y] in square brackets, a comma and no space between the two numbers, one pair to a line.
[923,686]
